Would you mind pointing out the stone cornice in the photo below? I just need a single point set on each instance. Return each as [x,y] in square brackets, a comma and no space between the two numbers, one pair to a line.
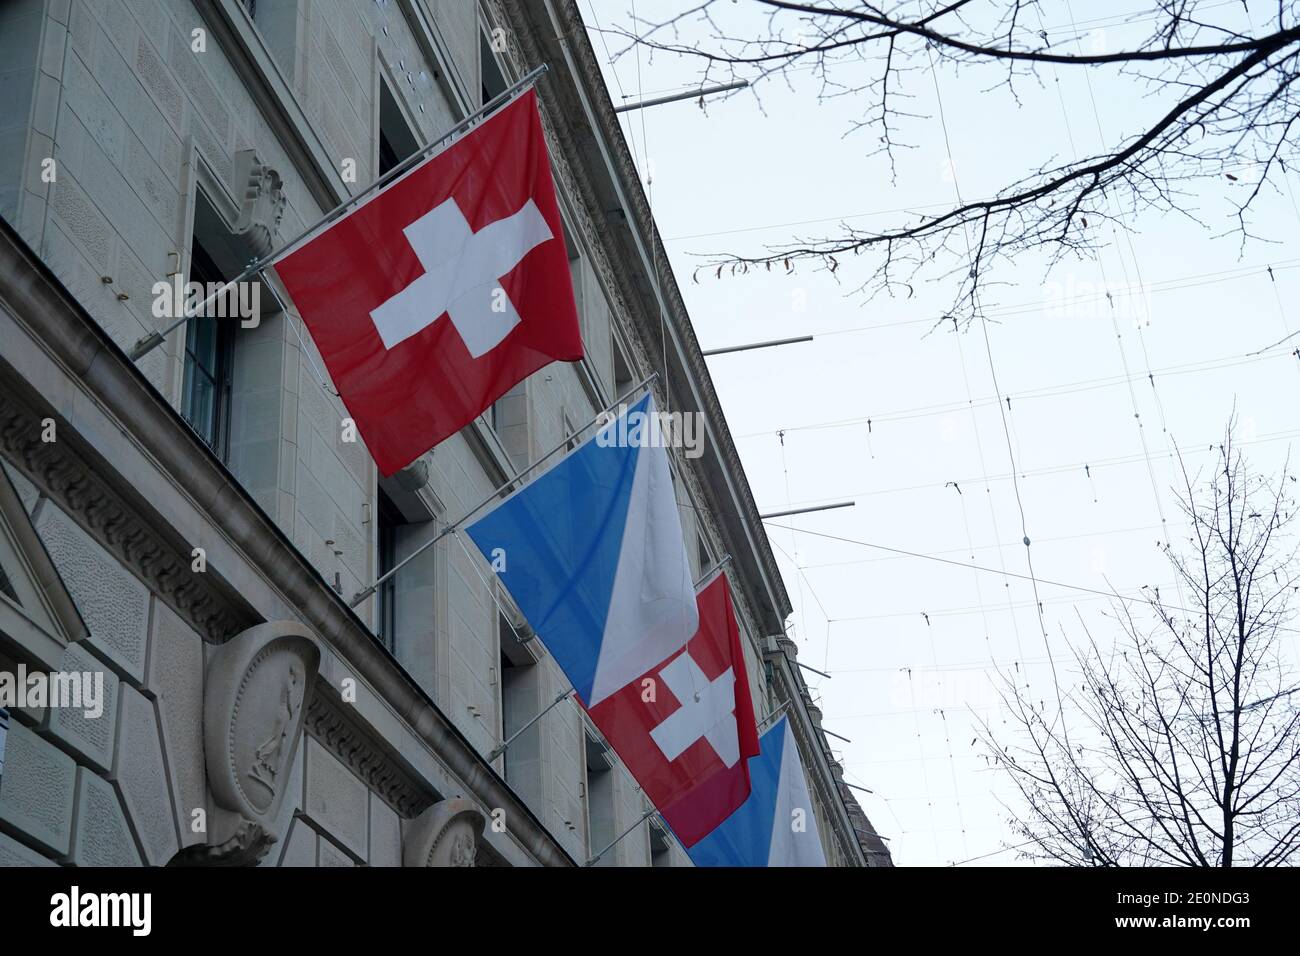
[65,472]
[333,723]
[92,369]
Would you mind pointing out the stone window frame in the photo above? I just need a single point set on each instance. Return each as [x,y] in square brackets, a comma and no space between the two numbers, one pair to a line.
[44,620]
[197,174]
[384,77]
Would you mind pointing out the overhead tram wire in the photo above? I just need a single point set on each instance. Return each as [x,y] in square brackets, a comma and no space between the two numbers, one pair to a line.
[1274,351]
[1197,449]
[1119,338]
[1049,582]
[988,348]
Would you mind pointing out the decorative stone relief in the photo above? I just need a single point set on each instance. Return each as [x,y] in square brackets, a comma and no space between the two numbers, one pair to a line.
[258,688]
[262,202]
[446,834]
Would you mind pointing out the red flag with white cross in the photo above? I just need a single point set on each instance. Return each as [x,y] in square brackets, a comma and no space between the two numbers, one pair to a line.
[439,294]
[685,729]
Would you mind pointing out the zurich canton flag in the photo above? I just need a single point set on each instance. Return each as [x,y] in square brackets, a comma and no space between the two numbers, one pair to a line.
[592,553]
[776,825]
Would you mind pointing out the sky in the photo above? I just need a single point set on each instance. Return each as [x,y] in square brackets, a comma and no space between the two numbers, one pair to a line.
[904,419]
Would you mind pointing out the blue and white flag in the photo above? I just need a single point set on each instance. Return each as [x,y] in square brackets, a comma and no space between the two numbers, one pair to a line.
[776,825]
[592,553]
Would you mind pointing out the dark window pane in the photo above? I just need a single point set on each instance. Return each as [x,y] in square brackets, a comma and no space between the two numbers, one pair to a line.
[7,587]
[209,343]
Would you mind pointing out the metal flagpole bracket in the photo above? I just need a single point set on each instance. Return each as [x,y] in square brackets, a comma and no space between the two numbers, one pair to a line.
[154,339]
[500,748]
[774,716]
[804,511]
[644,817]
[713,569]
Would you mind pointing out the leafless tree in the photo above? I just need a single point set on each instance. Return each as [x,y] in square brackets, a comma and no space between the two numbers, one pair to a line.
[1219,76]
[1177,743]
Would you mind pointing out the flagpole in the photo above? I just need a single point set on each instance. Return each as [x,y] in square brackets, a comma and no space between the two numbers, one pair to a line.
[448,529]
[154,339]
[713,569]
[644,817]
[773,716]
[500,748]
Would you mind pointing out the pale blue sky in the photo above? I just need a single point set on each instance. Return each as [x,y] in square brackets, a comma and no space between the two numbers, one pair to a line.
[728,179]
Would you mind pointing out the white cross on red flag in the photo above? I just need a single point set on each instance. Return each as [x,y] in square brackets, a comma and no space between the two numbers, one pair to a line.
[434,298]
[685,729]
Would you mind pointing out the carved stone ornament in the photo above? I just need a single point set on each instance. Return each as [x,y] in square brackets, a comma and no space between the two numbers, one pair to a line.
[246,845]
[261,202]
[256,694]
[446,834]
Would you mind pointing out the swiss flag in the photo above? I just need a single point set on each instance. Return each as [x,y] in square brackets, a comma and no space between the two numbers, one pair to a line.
[434,298]
[685,729]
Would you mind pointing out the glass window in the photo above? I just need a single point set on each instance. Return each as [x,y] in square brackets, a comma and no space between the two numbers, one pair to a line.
[386,612]
[396,141]
[209,343]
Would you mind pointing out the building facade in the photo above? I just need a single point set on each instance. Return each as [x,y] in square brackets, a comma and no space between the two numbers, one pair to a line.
[192,526]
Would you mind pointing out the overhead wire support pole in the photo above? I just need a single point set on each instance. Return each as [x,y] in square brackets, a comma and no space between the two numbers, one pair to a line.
[500,748]
[756,345]
[804,511]
[814,670]
[154,339]
[449,528]
[686,95]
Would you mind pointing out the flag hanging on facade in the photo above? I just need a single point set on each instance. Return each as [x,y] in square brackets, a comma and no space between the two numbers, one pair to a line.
[685,728]
[776,825]
[592,553]
[435,297]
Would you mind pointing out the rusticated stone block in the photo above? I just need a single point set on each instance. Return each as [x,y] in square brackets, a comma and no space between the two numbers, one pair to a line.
[337,802]
[100,836]
[36,793]
[91,738]
[176,681]
[142,777]
[112,601]
[13,853]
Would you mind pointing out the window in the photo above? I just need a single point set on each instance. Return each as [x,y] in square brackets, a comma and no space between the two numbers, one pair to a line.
[600,802]
[491,80]
[209,346]
[7,587]
[622,374]
[396,141]
[386,597]
[661,849]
